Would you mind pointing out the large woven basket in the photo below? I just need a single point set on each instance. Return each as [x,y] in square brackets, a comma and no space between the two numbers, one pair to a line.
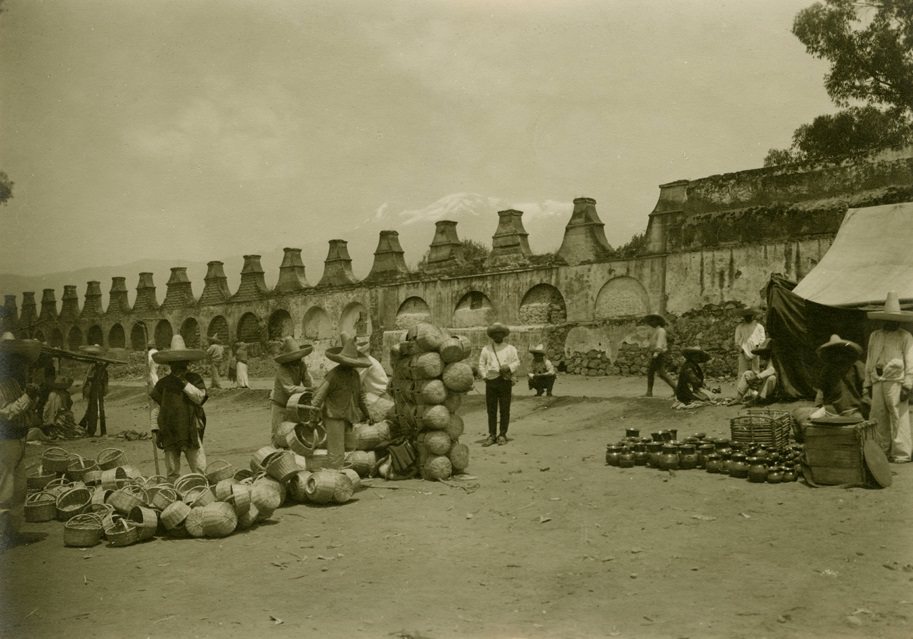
[329,486]
[222,490]
[761,426]
[37,478]
[58,486]
[164,496]
[184,483]
[122,532]
[115,477]
[242,474]
[146,520]
[280,437]
[437,441]
[111,458]
[79,466]
[282,466]
[261,457]
[297,485]
[40,506]
[55,460]
[459,457]
[353,477]
[362,461]
[127,498]
[218,470]
[372,436]
[298,407]
[219,519]
[174,515]
[82,531]
[306,438]
[74,501]
[194,522]
[248,518]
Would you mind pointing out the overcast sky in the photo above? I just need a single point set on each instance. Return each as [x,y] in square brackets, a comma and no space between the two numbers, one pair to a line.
[197,129]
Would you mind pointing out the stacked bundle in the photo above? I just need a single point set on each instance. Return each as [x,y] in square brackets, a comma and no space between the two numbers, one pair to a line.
[430,377]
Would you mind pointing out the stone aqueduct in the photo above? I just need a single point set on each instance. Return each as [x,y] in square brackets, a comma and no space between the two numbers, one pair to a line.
[708,241]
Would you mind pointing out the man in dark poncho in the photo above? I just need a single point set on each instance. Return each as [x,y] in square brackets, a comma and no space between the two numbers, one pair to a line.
[690,386]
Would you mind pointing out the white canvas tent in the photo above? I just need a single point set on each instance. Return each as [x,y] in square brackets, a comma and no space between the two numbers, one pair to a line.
[871,255]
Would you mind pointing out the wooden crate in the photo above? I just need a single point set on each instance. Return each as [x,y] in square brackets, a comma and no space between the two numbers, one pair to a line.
[834,454]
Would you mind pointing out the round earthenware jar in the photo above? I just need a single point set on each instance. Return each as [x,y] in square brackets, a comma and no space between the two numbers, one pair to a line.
[738,467]
[640,455]
[612,454]
[669,459]
[704,451]
[775,475]
[654,454]
[626,459]
[712,463]
[632,433]
[687,457]
[789,474]
[757,470]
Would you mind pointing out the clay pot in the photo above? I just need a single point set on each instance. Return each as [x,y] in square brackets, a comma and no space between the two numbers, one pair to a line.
[757,470]
[789,474]
[669,459]
[738,467]
[612,454]
[632,433]
[775,475]
[640,455]
[654,454]
[704,451]
[687,457]
[626,459]
[712,463]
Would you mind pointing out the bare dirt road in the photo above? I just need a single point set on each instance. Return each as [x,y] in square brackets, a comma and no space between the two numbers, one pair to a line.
[546,541]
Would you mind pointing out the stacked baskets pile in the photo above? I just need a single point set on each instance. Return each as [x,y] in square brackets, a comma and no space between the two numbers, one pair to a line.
[430,377]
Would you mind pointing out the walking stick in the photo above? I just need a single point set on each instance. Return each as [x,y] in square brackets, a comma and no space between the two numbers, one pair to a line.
[155,456]
[155,448]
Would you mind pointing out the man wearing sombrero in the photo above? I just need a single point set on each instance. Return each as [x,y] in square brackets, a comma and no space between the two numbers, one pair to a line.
[542,372]
[841,380]
[758,387]
[291,377]
[889,379]
[658,347]
[178,418]
[94,390]
[749,334]
[216,354]
[498,362]
[690,385]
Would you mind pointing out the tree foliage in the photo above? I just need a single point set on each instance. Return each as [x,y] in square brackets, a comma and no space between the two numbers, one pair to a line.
[6,188]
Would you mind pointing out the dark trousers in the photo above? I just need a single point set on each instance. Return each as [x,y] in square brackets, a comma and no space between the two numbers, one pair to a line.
[542,383]
[498,395]
[95,414]
[657,368]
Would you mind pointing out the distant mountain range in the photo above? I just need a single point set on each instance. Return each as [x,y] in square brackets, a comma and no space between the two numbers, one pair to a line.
[476,217]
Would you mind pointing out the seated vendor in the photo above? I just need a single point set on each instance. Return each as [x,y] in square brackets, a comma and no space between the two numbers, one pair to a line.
[760,387]
[840,380]
[690,387]
[541,373]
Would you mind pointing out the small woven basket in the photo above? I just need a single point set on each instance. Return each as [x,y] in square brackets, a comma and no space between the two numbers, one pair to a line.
[58,486]
[92,477]
[240,498]
[185,483]
[82,531]
[111,458]
[74,501]
[122,532]
[55,460]
[437,441]
[199,496]
[104,511]
[459,457]
[306,438]
[127,498]
[282,466]
[761,426]
[218,470]
[242,473]
[174,515]
[258,459]
[361,461]
[329,486]
[41,506]
[155,480]
[164,496]
[146,520]
[280,437]
[222,489]
[100,495]
[37,478]
[437,468]
[371,436]
[353,477]
[247,519]
[194,522]
[79,466]
[296,486]
[115,477]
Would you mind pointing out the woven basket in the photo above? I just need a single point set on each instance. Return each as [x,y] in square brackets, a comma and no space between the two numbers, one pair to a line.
[185,483]
[82,531]
[111,458]
[219,520]
[37,478]
[306,438]
[438,442]
[297,484]
[40,506]
[174,515]
[243,473]
[240,498]
[74,501]
[427,337]
[55,460]
[164,496]
[112,478]
[282,466]
[432,391]
[100,495]
[453,401]
[104,511]
[452,350]
[298,407]
[199,496]
[218,470]
[194,522]
[79,466]
[320,487]
[455,427]
[222,490]
[92,477]
[458,377]
[318,460]
[760,426]
[133,473]
[371,436]
[437,468]
[146,520]
[361,461]
[248,518]
[280,437]
[426,366]
[122,532]
[155,480]
[266,496]
[435,418]
[58,486]
[127,498]
[459,457]
[353,477]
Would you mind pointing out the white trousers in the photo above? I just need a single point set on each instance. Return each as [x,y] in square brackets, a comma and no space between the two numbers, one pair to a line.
[241,375]
[196,459]
[892,417]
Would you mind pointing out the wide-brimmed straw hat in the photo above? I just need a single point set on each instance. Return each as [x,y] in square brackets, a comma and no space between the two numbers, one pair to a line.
[654,318]
[363,345]
[92,349]
[538,349]
[28,348]
[497,329]
[837,344]
[291,351]
[695,353]
[891,311]
[60,382]
[178,352]
[763,348]
[347,354]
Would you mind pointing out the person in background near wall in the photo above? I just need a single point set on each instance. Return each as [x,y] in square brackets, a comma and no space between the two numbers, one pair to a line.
[541,373]
[749,333]
[291,377]
[690,386]
[760,387]
[216,354]
[340,397]
[498,362]
[889,379]
[178,419]
[241,365]
[16,402]
[231,365]
[94,390]
[59,399]
[659,352]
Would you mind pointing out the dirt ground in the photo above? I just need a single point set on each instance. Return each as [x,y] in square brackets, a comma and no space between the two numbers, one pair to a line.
[546,541]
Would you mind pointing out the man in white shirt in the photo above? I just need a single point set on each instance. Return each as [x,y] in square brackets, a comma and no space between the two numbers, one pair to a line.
[749,334]
[498,363]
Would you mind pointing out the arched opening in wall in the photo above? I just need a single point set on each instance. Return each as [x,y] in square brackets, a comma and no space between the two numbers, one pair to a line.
[95,335]
[280,324]
[190,331]
[249,329]
[74,338]
[354,320]
[543,304]
[411,312]
[116,337]
[621,297]
[317,324]
[138,336]
[219,328]
[473,309]
[57,338]
[39,335]
[163,334]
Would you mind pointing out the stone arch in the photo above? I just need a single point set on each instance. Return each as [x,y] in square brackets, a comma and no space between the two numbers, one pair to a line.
[163,334]
[138,336]
[355,320]
[543,304]
[56,338]
[317,324]
[249,329]
[95,335]
[190,331]
[473,309]
[621,297]
[116,337]
[39,335]
[74,338]
[412,311]
[218,326]
[280,324]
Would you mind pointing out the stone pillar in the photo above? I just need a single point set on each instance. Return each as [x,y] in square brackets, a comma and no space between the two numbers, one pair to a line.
[179,290]
[337,268]
[69,309]
[92,305]
[253,283]
[29,316]
[584,235]
[389,262]
[118,304]
[664,225]
[215,287]
[48,306]
[291,272]
[10,315]
[446,247]
[509,244]
[145,295]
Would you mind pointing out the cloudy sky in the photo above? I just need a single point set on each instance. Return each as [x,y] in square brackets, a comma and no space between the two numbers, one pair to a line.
[191,130]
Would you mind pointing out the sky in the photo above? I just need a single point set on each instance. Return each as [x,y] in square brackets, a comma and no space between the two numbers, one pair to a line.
[191,130]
